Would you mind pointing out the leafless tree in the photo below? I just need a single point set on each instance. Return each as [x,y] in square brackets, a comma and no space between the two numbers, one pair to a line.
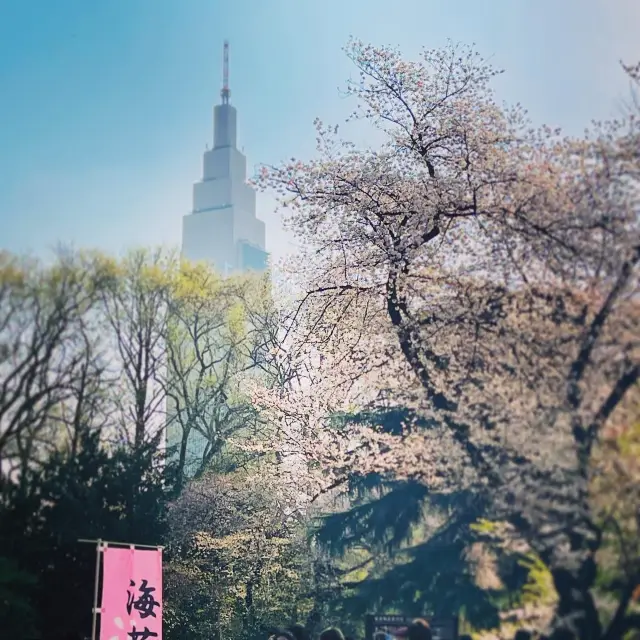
[135,308]
[50,360]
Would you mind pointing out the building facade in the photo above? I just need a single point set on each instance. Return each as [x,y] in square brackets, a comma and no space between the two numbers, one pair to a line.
[222,228]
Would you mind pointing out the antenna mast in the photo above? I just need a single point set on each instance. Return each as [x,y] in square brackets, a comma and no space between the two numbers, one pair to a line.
[225,74]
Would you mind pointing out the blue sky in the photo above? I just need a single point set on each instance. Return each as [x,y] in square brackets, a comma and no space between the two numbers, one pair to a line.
[106,104]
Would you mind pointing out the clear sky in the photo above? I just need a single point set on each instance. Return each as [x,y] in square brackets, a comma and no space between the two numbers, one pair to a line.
[105,105]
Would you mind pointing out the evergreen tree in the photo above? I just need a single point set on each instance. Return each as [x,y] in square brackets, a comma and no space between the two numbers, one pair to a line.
[17,616]
[113,495]
[404,548]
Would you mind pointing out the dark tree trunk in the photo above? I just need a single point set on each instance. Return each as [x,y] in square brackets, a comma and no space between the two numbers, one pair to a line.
[140,406]
[182,459]
[576,616]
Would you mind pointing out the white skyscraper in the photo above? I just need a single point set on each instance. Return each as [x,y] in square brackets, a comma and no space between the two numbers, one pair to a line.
[222,228]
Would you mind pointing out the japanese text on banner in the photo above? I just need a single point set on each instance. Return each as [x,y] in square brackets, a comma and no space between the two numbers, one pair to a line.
[131,595]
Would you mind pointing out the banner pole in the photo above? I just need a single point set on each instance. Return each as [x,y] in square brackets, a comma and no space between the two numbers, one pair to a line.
[101,546]
[94,621]
[111,543]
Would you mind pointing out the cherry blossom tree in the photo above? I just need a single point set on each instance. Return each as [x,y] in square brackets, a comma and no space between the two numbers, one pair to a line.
[499,263]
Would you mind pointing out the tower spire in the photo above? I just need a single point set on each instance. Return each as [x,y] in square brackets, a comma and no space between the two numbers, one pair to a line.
[224,94]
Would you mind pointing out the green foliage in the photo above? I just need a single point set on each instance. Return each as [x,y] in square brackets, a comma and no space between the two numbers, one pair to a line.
[238,563]
[215,339]
[415,568]
[17,615]
[383,520]
[538,588]
[402,548]
[117,338]
[114,495]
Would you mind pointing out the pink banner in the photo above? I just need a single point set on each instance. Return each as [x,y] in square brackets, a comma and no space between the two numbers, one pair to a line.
[131,595]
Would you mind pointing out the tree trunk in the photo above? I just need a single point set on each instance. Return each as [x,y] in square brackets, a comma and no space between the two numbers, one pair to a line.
[182,458]
[576,616]
[140,406]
